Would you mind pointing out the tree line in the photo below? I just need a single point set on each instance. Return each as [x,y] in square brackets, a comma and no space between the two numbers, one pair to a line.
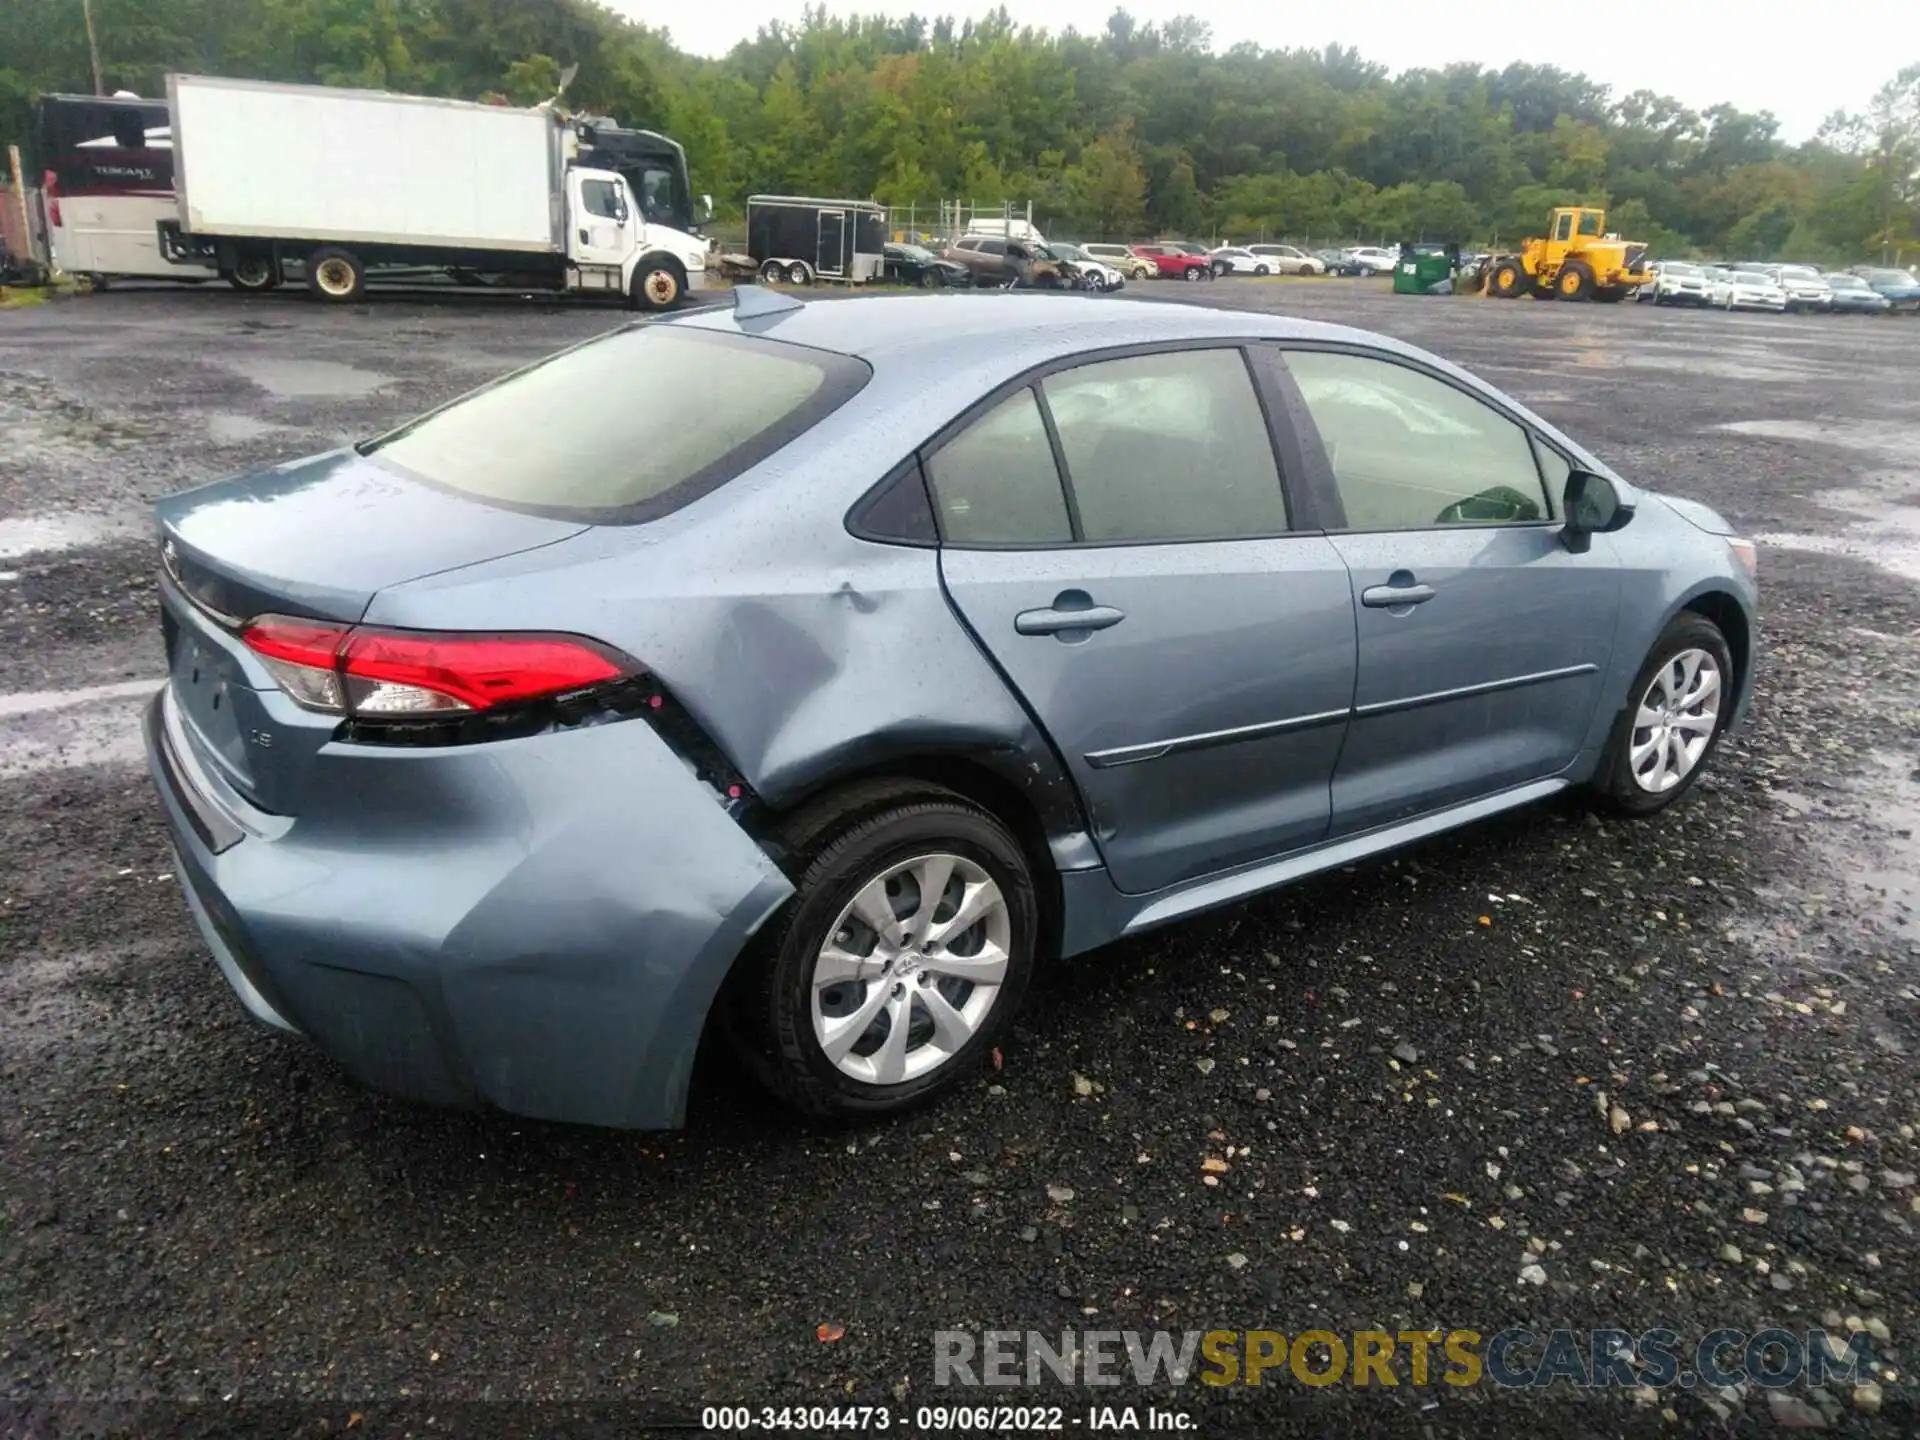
[1139,129]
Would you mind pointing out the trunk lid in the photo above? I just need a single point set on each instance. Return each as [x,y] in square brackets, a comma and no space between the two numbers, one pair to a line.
[317,538]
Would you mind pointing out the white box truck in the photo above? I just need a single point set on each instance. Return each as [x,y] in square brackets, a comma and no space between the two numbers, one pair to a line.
[350,183]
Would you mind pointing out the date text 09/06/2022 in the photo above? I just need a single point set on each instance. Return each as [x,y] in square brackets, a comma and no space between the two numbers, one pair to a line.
[951,1419]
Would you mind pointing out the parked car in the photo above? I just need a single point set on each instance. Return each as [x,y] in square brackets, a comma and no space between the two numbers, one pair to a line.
[1199,252]
[1338,262]
[1289,259]
[917,265]
[1805,289]
[1238,260]
[1173,264]
[1372,260]
[1899,289]
[1853,296]
[1096,274]
[505,751]
[1677,282]
[999,263]
[1122,258]
[1748,290]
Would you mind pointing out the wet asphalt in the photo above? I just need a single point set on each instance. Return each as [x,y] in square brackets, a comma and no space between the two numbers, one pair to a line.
[1553,1071]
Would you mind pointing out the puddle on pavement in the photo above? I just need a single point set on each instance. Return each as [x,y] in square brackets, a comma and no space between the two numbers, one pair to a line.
[37,423]
[226,429]
[1898,443]
[310,379]
[1725,365]
[40,534]
[1882,534]
[1890,880]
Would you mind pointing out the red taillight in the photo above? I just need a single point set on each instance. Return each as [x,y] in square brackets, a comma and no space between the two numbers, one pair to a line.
[50,193]
[396,673]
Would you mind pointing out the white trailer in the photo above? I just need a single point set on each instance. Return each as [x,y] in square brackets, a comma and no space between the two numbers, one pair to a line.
[349,182]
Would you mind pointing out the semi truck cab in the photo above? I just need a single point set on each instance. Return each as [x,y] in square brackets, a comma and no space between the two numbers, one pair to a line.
[613,247]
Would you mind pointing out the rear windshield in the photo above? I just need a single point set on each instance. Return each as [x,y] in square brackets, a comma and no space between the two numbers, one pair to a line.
[627,427]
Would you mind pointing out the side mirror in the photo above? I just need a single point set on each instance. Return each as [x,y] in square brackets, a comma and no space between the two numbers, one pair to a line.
[1593,506]
[706,208]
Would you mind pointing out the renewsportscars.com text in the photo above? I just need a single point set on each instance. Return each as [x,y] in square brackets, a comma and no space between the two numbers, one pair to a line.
[1511,1358]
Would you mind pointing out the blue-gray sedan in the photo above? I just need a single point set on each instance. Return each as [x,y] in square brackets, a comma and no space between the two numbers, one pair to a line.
[818,671]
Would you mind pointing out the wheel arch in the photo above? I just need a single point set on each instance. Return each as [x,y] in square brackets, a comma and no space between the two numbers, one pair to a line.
[1039,822]
[1724,609]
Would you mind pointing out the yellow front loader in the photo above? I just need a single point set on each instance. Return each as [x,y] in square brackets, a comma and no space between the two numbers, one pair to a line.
[1576,260]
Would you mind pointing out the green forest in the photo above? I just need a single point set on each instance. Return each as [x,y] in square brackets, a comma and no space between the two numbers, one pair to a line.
[1137,129]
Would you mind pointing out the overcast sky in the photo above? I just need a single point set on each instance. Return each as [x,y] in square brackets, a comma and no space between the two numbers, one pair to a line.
[1800,61]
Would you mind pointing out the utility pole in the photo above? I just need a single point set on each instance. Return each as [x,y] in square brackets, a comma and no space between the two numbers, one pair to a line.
[93,46]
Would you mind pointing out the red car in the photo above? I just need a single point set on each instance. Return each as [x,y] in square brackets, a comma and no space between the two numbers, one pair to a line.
[1175,264]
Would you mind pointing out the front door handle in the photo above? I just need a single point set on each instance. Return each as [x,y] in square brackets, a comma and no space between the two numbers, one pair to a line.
[1392,597]
[1073,615]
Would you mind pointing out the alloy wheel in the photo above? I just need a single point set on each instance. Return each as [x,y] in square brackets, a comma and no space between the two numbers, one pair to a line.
[911,969]
[1675,721]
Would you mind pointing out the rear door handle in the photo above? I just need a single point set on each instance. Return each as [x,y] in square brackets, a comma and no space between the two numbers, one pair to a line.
[1391,597]
[1071,611]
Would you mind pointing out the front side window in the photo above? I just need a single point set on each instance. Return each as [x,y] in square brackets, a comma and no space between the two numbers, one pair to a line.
[601,198]
[1410,452]
[1167,447]
[625,427]
[996,482]
[1564,229]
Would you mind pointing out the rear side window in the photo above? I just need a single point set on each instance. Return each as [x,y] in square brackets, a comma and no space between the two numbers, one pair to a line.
[627,427]
[996,483]
[1167,447]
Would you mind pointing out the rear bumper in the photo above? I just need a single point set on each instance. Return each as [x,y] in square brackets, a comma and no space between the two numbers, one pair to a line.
[538,925]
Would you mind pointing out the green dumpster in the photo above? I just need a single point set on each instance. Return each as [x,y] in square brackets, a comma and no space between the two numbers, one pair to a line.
[1421,272]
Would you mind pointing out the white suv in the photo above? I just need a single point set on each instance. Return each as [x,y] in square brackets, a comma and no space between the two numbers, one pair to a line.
[1286,260]
[1676,282]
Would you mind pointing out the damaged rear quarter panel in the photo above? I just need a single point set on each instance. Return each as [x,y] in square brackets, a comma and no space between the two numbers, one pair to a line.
[805,653]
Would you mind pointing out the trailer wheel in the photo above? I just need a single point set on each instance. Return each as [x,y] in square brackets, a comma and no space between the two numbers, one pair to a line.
[658,285]
[253,274]
[335,275]
[773,272]
[798,273]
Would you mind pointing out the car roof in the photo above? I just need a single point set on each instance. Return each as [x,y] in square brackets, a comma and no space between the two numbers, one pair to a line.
[949,333]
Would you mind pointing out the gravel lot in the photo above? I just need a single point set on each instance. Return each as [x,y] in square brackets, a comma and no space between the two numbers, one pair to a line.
[1660,1074]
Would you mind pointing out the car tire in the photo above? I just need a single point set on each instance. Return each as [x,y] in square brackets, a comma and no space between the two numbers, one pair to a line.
[1643,770]
[1261,271]
[930,279]
[799,273]
[335,275]
[782,1000]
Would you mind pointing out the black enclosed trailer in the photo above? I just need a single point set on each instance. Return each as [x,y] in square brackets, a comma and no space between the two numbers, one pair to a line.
[800,240]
